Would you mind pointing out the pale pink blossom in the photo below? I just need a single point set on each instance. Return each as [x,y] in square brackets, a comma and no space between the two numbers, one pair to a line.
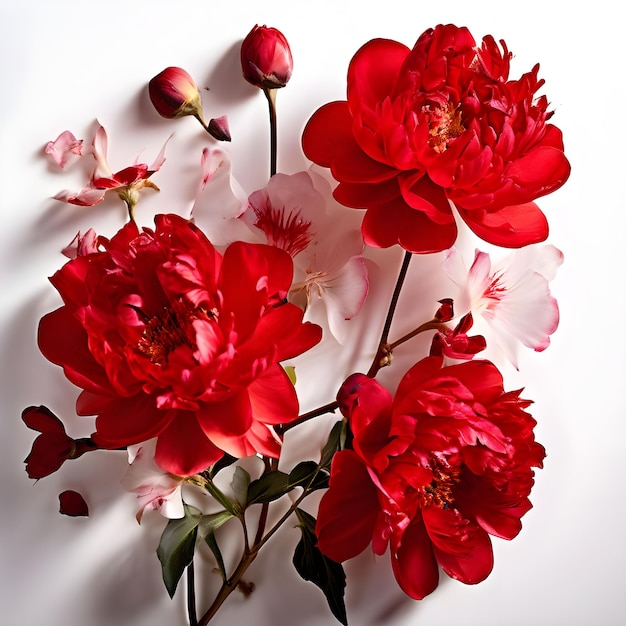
[298,214]
[220,200]
[155,488]
[512,297]
[126,182]
[65,149]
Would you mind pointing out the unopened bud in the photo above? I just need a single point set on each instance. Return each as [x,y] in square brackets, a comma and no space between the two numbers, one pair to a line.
[174,94]
[266,59]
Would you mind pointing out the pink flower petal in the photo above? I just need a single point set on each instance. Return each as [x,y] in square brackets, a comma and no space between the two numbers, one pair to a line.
[65,149]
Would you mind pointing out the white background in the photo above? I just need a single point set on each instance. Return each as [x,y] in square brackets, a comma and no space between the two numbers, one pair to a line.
[63,64]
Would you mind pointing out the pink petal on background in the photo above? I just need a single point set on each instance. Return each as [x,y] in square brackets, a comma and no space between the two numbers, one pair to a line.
[65,149]
[220,200]
[85,197]
[100,148]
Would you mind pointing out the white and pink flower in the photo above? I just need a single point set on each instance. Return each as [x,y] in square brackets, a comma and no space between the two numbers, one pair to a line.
[512,297]
[297,213]
[155,489]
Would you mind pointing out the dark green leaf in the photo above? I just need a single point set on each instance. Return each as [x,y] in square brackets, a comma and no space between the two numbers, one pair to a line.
[224,462]
[239,484]
[269,487]
[177,546]
[335,442]
[312,565]
[206,531]
[306,474]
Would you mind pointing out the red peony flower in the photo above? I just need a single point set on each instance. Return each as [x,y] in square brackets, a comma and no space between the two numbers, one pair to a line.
[169,339]
[433,472]
[440,123]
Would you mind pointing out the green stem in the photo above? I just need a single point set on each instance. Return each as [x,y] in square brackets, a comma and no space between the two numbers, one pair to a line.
[248,558]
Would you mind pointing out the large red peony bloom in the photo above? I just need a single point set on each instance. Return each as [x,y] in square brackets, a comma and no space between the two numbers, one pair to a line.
[169,339]
[440,123]
[432,472]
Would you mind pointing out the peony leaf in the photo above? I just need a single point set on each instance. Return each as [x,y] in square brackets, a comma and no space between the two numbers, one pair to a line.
[239,484]
[177,547]
[226,461]
[269,487]
[307,474]
[206,531]
[312,565]
[336,441]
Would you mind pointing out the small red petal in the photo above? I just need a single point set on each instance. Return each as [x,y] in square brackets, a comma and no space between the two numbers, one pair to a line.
[73,504]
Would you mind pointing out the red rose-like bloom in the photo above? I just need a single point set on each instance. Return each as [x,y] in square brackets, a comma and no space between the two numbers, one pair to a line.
[169,339]
[437,123]
[266,60]
[433,472]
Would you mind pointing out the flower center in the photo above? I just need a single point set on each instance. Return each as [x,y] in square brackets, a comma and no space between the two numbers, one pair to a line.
[444,124]
[284,229]
[439,492]
[168,330]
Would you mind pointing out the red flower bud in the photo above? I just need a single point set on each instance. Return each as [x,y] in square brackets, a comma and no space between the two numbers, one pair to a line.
[266,59]
[174,94]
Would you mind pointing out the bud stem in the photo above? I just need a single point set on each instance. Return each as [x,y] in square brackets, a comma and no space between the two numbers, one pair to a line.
[270,94]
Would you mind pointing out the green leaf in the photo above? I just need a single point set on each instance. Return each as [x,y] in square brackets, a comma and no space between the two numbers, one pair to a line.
[206,531]
[336,441]
[312,565]
[177,546]
[307,474]
[290,370]
[239,484]
[224,462]
[268,487]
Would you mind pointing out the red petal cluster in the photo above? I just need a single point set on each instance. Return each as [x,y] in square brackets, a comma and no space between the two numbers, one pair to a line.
[441,122]
[432,473]
[169,339]
[52,447]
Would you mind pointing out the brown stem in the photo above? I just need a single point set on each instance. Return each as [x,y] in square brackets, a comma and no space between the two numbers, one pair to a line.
[382,355]
[191,596]
[270,94]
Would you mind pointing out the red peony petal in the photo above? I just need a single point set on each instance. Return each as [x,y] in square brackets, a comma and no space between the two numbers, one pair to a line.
[73,504]
[461,548]
[273,397]
[64,342]
[48,453]
[510,227]
[42,419]
[348,511]
[126,421]
[541,170]
[329,125]
[414,564]
[183,449]
[386,225]
[373,72]
[421,194]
